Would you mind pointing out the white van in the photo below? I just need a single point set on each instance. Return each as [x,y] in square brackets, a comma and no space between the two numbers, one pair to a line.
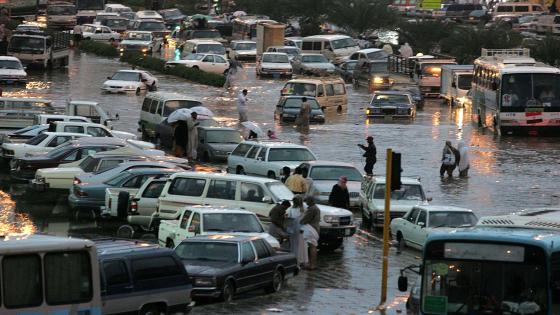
[204,46]
[517,8]
[330,92]
[335,47]
[116,7]
[157,106]
[548,24]
[256,194]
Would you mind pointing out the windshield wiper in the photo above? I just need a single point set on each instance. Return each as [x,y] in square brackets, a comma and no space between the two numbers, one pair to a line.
[217,230]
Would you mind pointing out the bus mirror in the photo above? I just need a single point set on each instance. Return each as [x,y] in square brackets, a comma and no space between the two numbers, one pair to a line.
[494,86]
[403,283]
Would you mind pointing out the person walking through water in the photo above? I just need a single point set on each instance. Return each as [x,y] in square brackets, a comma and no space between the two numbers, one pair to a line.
[370,154]
[302,120]
[231,71]
[310,220]
[242,105]
[180,137]
[449,159]
[339,196]
[192,127]
[277,215]
[464,163]
[297,243]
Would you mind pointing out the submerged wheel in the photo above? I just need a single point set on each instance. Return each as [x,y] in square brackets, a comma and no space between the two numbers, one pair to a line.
[277,282]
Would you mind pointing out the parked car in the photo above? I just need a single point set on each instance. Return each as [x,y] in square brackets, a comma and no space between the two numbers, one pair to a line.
[369,54]
[291,51]
[44,142]
[130,81]
[25,167]
[223,265]
[312,64]
[148,15]
[274,64]
[216,143]
[372,199]
[205,62]
[346,70]
[267,158]
[288,109]
[140,278]
[393,104]
[172,17]
[99,32]
[208,220]
[164,131]
[89,196]
[23,134]
[140,41]
[11,70]
[118,24]
[325,174]
[528,23]
[243,49]
[414,228]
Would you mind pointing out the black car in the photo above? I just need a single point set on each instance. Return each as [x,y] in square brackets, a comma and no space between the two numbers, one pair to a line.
[221,266]
[289,106]
[346,70]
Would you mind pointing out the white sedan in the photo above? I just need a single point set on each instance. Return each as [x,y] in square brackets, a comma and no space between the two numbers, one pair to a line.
[11,70]
[413,229]
[99,32]
[205,62]
[274,64]
[43,142]
[130,81]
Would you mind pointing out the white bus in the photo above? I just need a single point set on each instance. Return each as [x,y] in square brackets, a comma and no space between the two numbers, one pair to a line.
[43,274]
[512,93]
[245,27]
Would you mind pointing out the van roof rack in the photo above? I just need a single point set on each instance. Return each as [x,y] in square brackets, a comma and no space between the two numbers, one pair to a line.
[514,52]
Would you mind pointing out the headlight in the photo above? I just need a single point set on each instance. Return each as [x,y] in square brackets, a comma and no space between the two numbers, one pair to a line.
[131,87]
[378,80]
[144,49]
[121,49]
[39,179]
[204,282]
[330,219]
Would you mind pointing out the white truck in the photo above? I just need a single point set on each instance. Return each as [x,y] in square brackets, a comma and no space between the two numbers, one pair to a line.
[426,74]
[455,83]
[46,50]
[61,14]
[207,220]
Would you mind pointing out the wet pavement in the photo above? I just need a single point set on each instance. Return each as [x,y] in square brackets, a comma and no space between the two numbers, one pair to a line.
[506,174]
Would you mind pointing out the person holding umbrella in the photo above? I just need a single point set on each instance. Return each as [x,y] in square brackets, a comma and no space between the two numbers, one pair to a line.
[192,145]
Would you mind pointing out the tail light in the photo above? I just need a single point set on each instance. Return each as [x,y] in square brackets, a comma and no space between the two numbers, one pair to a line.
[76,181]
[134,206]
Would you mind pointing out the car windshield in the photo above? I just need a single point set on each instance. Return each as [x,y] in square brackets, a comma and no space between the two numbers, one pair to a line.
[334,173]
[126,76]
[139,36]
[343,43]
[208,251]
[375,67]
[280,191]
[231,222]
[246,46]
[60,150]
[194,57]
[223,136]
[115,180]
[61,10]
[314,59]
[115,23]
[452,219]
[25,43]
[407,192]
[274,58]
[296,103]
[211,48]
[37,139]
[390,98]
[151,26]
[290,154]
[206,34]
[465,81]
[377,55]
[299,89]
[85,162]
[10,64]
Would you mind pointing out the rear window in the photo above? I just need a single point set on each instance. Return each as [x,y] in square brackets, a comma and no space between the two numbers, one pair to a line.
[171,106]
[22,273]
[155,267]
[522,8]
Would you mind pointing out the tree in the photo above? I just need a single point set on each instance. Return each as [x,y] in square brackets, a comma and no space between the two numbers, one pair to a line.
[546,50]
[424,35]
[359,16]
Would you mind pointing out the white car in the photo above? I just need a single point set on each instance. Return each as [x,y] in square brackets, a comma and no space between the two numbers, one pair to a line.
[11,70]
[274,64]
[44,142]
[312,64]
[372,199]
[325,175]
[243,49]
[205,62]
[130,81]
[140,41]
[23,134]
[414,228]
[267,158]
[99,32]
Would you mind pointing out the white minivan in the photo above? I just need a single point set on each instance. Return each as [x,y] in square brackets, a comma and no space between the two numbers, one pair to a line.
[335,47]
[256,194]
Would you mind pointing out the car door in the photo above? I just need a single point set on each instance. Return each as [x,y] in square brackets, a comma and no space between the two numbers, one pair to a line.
[246,277]
[253,197]
[221,65]
[116,286]
[221,192]
[207,63]
[261,165]
[418,231]
[250,159]
[147,202]
[264,264]
[185,231]
[408,223]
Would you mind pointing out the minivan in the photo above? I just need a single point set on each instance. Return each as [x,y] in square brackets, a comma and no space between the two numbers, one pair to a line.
[329,92]
[548,24]
[157,106]
[517,8]
[141,278]
[334,47]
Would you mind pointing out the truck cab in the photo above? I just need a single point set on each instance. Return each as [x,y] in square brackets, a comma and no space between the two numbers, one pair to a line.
[40,49]
[61,15]
[90,110]
[455,83]
[427,73]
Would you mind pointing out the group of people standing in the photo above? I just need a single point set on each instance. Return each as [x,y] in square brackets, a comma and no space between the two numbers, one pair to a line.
[455,158]
[186,137]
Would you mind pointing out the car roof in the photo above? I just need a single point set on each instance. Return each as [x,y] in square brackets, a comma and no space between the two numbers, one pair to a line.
[329,163]
[283,47]
[391,92]
[214,209]
[150,170]
[327,37]
[244,42]
[225,176]
[204,41]
[299,96]
[56,133]
[368,50]
[404,180]
[311,54]
[120,247]
[134,71]
[141,32]
[221,238]
[442,208]
[8,58]
[274,53]
[41,242]
[318,80]
[275,144]
[150,21]
[100,140]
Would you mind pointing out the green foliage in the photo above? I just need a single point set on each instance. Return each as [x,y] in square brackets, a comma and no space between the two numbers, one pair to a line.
[424,35]
[359,16]
[464,43]
[546,50]
[98,48]
[190,74]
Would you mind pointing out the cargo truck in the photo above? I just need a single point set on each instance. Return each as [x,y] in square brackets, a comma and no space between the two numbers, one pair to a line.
[455,83]
[46,50]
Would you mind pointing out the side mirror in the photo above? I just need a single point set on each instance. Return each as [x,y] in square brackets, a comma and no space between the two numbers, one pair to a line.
[421,224]
[267,199]
[403,283]
[108,78]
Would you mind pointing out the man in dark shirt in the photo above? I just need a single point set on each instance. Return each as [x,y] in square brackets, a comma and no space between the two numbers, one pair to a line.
[180,137]
[277,217]
[370,155]
[339,196]
[312,216]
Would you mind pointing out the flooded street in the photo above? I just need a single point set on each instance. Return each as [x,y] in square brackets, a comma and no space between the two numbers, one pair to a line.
[507,173]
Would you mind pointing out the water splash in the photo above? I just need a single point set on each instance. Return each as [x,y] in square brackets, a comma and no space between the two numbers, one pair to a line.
[11,222]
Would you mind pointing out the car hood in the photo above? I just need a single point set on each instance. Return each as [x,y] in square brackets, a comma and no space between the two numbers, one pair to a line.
[269,238]
[60,172]
[121,83]
[135,42]
[327,185]
[398,205]
[206,268]
[328,210]
[124,135]
[246,52]
[295,111]
[227,147]
[12,72]
[273,65]
[317,65]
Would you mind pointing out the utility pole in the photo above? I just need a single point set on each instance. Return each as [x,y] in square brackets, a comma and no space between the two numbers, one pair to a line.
[386,221]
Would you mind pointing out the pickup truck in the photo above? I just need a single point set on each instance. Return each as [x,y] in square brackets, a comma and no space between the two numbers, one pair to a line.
[208,220]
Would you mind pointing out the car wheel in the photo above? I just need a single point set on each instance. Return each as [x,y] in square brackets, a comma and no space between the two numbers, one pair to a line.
[125,231]
[400,240]
[195,68]
[170,244]
[138,91]
[271,175]
[240,170]
[228,291]
[150,310]
[277,282]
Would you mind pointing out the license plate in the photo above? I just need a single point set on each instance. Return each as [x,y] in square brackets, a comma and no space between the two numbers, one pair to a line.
[347,232]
